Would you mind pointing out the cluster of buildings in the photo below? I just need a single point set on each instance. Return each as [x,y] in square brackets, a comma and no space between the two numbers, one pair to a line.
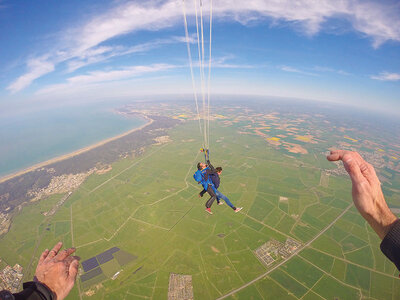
[10,278]
[272,250]
[60,184]
[338,171]
[5,222]
[375,158]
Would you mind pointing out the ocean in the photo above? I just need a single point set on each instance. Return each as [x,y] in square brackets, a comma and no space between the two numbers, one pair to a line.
[28,138]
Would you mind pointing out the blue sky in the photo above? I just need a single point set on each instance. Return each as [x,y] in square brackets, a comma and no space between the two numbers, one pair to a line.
[344,51]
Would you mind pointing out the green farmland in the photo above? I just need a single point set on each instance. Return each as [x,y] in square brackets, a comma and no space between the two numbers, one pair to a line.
[149,207]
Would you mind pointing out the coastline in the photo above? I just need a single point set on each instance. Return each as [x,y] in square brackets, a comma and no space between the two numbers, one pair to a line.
[74,153]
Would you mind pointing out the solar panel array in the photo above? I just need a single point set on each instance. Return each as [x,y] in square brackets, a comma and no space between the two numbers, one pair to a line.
[92,266]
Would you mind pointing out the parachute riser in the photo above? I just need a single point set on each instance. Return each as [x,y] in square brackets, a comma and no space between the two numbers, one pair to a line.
[206,154]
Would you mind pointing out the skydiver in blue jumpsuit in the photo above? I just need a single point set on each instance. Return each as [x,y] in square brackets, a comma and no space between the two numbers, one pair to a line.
[208,176]
[203,178]
[216,181]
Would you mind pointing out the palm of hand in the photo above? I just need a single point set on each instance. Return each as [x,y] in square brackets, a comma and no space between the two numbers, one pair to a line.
[58,270]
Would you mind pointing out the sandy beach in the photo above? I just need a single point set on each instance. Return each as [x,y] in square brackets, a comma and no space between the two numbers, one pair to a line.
[77,152]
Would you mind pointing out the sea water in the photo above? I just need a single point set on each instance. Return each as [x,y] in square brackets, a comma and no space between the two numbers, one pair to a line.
[28,138]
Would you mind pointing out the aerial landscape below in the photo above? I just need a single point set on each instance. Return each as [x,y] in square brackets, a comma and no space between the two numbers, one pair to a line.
[200,149]
[136,195]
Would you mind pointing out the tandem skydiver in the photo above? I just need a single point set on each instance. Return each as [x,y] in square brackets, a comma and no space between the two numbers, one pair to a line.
[216,181]
[202,177]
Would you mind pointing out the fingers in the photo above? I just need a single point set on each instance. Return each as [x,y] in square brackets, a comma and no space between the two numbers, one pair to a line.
[354,164]
[43,256]
[65,253]
[72,272]
[53,252]
[70,259]
[352,167]
[358,169]
[369,173]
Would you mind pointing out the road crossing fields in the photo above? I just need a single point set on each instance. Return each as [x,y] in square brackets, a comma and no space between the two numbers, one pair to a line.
[149,206]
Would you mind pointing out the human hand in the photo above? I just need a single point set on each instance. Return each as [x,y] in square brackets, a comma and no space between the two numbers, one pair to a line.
[366,191]
[57,270]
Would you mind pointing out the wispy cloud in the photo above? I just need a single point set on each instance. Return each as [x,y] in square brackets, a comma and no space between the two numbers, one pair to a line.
[295,70]
[222,62]
[41,66]
[330,70]
[376,20]
[124,73]
[386,76]
[100,54]
[106,76]
[36,68]
[84,45]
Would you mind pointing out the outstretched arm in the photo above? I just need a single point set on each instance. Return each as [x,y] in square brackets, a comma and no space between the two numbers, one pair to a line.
[54,277]
[366,191]
[210,166]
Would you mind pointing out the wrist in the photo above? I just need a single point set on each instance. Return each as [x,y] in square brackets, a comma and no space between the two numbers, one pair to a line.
[40,288]
[382,222]
[387,223]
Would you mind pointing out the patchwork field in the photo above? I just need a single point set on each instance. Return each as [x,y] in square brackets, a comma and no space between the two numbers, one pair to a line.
[149,208]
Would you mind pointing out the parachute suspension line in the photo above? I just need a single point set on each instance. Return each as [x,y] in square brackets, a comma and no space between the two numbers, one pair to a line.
[205,91]
[203,84]
[191,66]
[201,68]
[209,78]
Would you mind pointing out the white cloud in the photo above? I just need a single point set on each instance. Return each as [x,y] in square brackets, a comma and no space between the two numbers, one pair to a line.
[126,18]
[83,45]
[330,70]
[231,66]
[37,67]
[96,77]
[386,76]
[100,54]
[341,72]
[222,63]
[376,20]
[295,70]
[101,76]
